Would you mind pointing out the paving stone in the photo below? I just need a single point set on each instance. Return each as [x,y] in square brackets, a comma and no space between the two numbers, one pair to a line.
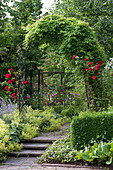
[3,167]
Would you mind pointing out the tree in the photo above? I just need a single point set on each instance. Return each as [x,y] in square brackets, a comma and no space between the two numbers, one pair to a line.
[97,12]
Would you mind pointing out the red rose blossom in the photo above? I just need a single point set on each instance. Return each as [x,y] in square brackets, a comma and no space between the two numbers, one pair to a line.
[100,62]
[98,73]
[15,97]
[13,94]
[6,87]
[97,68]
[9,81]
[93,77]
[73,57]
[8,75]
[86,59]
[26,82]
[11,69]
[90,63]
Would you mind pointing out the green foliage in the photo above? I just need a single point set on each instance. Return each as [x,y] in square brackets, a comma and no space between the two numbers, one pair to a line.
[99,153]
[97,12]
[32,122]
[90,126]
[68,35]
[61,151]
[8,140]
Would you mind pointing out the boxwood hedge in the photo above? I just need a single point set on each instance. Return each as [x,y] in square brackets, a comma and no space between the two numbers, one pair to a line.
[91,126]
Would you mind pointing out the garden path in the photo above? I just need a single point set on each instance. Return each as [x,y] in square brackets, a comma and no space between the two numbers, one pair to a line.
[30,163]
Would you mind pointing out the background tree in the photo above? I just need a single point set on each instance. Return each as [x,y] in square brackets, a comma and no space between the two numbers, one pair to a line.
[97,12]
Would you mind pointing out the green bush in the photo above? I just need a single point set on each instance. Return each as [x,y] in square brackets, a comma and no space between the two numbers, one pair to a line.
[61,151]
[91,126]
[7,142]
[35,121]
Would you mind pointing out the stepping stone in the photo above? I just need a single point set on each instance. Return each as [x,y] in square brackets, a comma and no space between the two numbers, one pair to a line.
[35,146]
[26,153]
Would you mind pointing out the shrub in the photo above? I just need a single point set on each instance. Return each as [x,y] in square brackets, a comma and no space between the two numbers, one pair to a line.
[91,126]
[61,151]
[34,121]
[7,144]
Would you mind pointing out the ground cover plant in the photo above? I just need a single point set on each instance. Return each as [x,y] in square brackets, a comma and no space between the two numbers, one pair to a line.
[7,141]
[97,151]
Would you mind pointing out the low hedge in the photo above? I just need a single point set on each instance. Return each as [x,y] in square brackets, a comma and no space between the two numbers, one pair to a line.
[88,127]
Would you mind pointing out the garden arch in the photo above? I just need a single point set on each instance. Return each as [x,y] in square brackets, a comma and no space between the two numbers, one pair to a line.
[71,37]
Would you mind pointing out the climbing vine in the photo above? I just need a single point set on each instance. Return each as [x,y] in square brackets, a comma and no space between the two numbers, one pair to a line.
[68,37]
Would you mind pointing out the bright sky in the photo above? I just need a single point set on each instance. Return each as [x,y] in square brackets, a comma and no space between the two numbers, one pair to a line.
[46,4]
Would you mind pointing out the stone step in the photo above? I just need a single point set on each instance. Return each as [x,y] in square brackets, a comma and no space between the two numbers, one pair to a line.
[25,153]
[35,146]
[44,139]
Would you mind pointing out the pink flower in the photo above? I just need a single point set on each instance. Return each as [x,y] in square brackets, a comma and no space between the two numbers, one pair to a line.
[8,75]
[52,96]
[45,94]
[55,94]
[73,57]
[93,77]
[75,96]
[27,97]
[86,59]
[70,93]
[98,73]
[90,63]
[62,90]
[59,85]
[56,101]
[69,98]
[78,86]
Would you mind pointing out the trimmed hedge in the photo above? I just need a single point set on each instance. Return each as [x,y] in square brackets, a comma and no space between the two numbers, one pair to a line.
[91,126]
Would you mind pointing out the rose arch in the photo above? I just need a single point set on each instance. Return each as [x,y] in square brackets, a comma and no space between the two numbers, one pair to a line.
[73,37]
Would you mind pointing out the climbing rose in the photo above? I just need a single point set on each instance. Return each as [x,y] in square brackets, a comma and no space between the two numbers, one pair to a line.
[93,77]
[86,59]
[26,82]
[69,98]
[11,69]
[9,81]
[98,73]
[97,68]
[13,94]
[73,57]
[8,75]
[70,93]
[90,63]
[6,87]
[100,62]
[15,97]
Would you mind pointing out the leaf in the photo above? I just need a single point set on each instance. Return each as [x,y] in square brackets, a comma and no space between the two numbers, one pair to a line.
[109,161]
[86,157]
